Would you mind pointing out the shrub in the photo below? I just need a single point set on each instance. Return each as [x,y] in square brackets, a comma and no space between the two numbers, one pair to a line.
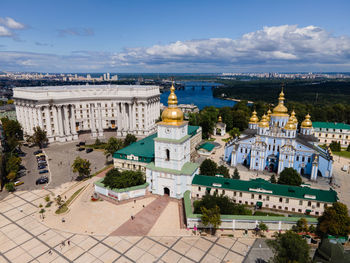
[10,187]
[47,198]
[116,179]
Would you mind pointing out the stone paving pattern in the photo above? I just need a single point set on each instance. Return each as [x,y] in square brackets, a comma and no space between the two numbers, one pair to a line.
[25,239]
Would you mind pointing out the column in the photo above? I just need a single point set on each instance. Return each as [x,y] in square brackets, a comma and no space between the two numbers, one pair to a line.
[124,117]
[30,119]
[55,121]
[66,122]
[35,117]
[48,121]
[73,122]
[60,121]
[92,120]
[99,119]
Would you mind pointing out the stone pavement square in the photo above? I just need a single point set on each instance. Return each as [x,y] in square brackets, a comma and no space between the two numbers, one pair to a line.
[3,260]
[185,260]
[123,260]
[85,258]
[87,243]
[29,196]
[3,221]
[233,257]
[38,250]
[6,246]
[25,257]
[21,238]
[9,228]
[46,257]
[240,248]
[59,260]
[157,250]
[112,240]
[181,247]
[55,240]
[122,246]
[146,244]
[74,252]
[5,207]
[195,254]
[203,244]
[190,240]
[77,239]
[98,250]
[31,244]
[38,230]
[218,251]
[134,253]
[226,242]
[109,256]
[171,257]
[13,253]
[146,258]
[210,259]
[168,241]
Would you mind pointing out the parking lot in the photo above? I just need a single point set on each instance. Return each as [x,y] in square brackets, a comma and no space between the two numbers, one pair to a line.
[60,158]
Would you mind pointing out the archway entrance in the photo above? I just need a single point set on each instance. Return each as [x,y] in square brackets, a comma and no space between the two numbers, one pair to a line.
[302,171]
[166,191]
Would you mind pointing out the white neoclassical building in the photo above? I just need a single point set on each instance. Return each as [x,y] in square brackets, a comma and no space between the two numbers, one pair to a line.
[65,111]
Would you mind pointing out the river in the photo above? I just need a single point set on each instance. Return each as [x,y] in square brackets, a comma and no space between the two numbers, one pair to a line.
[198,93]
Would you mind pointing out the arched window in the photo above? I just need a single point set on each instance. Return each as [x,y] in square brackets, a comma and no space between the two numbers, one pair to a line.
[167,154]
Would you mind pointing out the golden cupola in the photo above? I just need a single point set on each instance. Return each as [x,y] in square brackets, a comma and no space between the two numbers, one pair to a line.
[254,119]
[290,125]
[172,115]
[280,109]
[307,123]
[269,115]
[264,123]
[293,118]
[219,119]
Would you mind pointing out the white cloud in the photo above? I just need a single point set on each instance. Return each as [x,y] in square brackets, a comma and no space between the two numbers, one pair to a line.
[4,32]
[11,23]
[78,31]
[277,48]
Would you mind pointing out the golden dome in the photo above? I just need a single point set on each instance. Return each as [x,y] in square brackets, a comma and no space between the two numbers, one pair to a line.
[172,115]
[264,123]
[280,109]
[290,125]
[293,118]
[269,115]
[219,119]
[254,119]
[307,123]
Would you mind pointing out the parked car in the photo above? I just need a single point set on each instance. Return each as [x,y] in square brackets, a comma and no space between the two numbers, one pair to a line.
[43,171]
[42,180]
[37,152]
[89,150]
[41,161]
[80,149]
[41,167]
[40,155]
[18,183]
[81,143]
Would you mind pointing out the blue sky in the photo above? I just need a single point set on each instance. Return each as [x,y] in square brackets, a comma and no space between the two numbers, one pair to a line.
[174,36]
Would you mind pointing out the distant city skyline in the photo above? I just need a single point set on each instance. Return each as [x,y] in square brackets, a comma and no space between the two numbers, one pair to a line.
[182,36]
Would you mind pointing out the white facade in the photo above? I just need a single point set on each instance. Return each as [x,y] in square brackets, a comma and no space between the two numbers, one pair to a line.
[64,111]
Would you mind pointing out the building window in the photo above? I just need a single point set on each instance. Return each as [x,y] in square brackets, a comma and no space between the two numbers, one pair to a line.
[274,206]
[246,202]
[251,203]
[240,194]
[234,193]
[286,208]
[252,196]
[303,159]
[260,197]
[293,209]
[297,158]
[309,203]
[199,188]
[299,210]
[318,204]
[281,199]
[287,200]
[267,198]
[167,155]
[325,205]
[317,213]
[267,206]
[300,202]
[241,150]
[223,192]
[197,195]
[308,159]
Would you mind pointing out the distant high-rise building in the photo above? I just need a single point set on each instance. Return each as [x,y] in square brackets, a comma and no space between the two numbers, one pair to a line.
[88,76]
[115,77]
[108,76]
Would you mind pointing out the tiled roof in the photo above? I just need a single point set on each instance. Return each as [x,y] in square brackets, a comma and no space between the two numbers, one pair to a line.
[331,125]
[264,187]
[207,146]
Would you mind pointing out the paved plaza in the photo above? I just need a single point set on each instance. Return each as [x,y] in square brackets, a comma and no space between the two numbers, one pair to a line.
[24,238]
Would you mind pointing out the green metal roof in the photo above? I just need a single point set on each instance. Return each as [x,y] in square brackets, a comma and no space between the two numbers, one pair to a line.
[298,192]
[120,190]
[144,148]
[187,169]
[207,146]
[331,125]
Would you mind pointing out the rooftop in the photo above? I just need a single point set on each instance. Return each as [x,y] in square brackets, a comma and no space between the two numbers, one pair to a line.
[207,146]
[331,125]
[262,186]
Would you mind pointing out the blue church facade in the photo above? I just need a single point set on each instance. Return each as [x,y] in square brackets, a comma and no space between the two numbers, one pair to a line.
[273,144]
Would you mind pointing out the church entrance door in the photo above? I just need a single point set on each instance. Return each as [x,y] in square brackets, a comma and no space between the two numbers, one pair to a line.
[166,191]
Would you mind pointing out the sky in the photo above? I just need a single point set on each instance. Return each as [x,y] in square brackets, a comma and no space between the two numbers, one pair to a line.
[182,36]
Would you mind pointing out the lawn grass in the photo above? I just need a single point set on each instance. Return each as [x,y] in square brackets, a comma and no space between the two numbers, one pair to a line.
[343,154]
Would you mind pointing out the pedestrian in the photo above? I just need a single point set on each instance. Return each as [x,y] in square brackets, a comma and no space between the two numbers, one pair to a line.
[68,242]
[63,244]
[134,201]
[50,252]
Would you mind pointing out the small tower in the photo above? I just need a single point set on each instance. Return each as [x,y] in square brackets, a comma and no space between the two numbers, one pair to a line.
[293,118]
[269,112]
[306,125]
[280,116]
[290,128]
[220,128]
[253,121]
[263,125]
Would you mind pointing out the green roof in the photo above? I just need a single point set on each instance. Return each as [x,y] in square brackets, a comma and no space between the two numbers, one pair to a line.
[187,169]
[186,137]
[331,125]
[144,148]
[207,146]
[120,190]
[261,186]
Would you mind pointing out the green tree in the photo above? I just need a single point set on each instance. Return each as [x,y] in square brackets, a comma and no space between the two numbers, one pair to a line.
[82,167]
[301,226]
[112,146]
[335,146]
[334,221]
[211,217]
[39,137]
[129,139]
[262,228]
[273,179]
[59,201]
[98,142]
[288,248]
[13,163]
[116,179]
[208,167]
[348,149]
[223,170]
[289,176]
[236,174]
[11,176]
[12,128]
[10,187]
[234,133]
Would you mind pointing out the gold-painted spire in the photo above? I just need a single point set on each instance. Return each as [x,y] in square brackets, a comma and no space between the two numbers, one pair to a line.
[280,109]
[172,115]
[269,115]
[307,123]
[290,125]
[293,118]
[254,119]
[219,119]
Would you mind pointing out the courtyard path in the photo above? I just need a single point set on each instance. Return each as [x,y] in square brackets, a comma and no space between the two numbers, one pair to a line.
[144,220]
